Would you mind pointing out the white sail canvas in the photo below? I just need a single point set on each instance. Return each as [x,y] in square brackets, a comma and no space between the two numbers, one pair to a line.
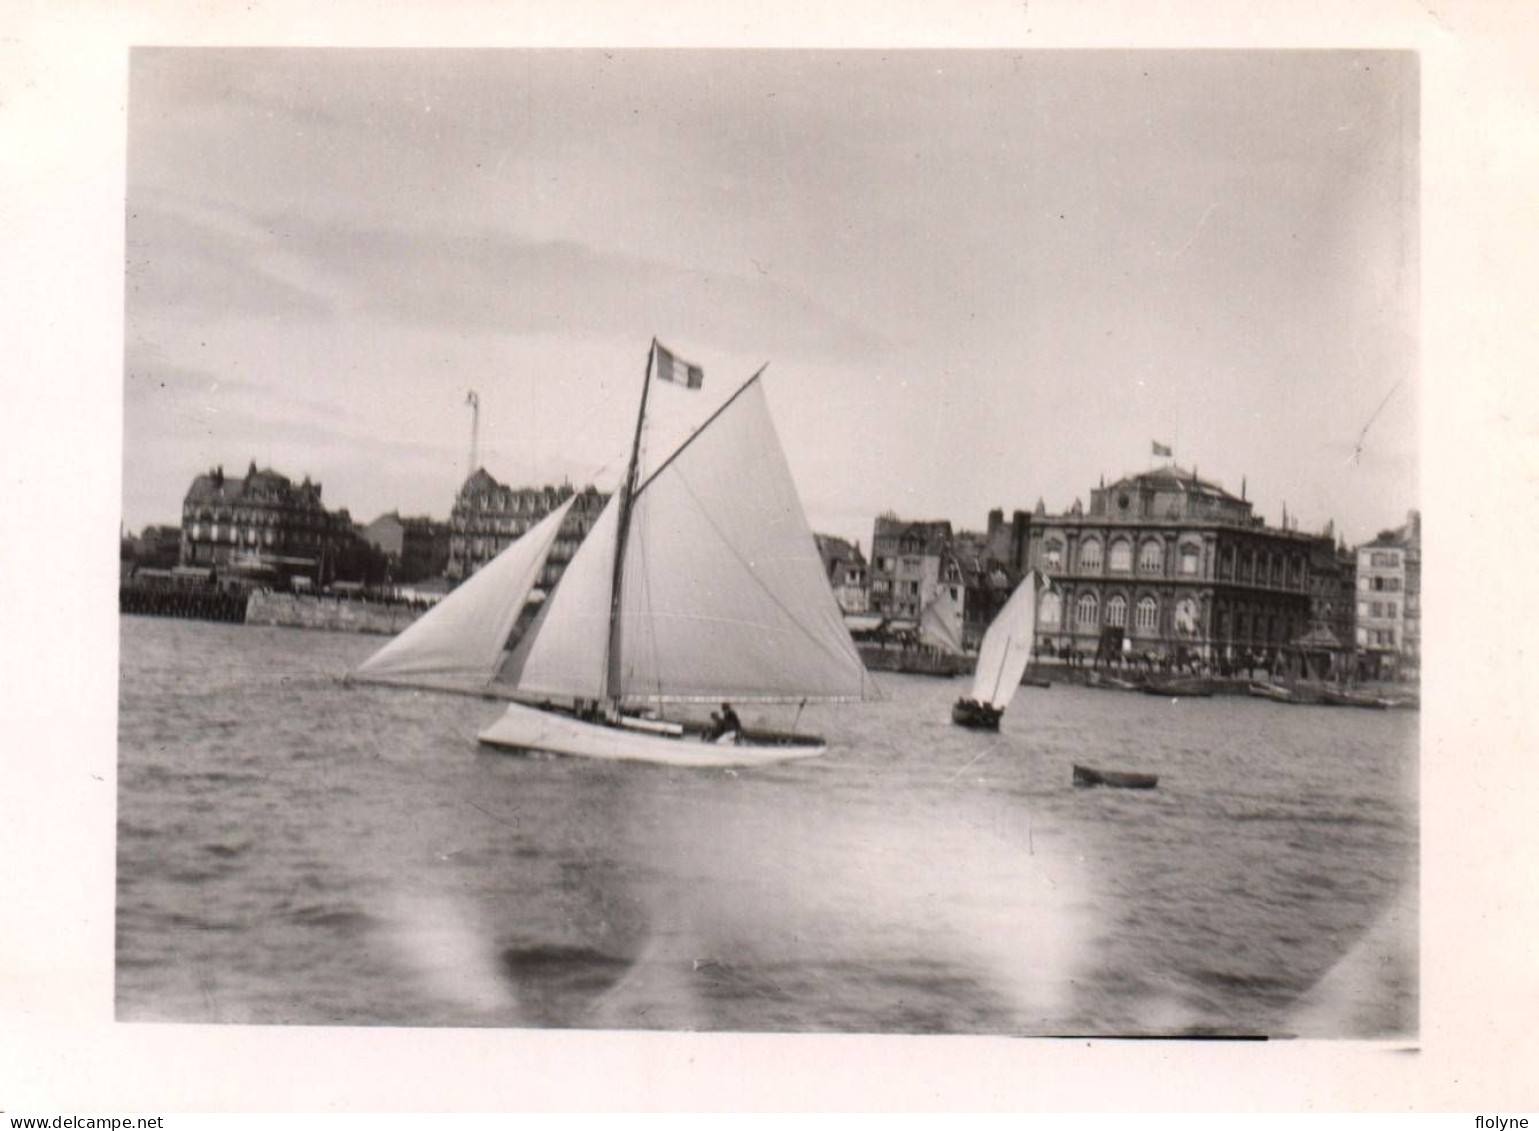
[940,622]
[563,652]
[1006,648]
[460,641]
[723,594]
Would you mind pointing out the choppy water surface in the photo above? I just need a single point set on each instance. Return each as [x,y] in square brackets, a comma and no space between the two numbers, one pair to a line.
[294,850]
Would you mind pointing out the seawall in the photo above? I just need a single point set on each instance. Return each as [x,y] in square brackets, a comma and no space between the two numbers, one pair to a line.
[290,610]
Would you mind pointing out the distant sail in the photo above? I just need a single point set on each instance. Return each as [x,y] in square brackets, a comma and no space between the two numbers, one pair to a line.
[1006,648]
[461,640]
[724,595]
[940,622]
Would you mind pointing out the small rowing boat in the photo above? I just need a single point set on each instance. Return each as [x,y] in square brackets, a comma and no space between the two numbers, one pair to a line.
[1086,776]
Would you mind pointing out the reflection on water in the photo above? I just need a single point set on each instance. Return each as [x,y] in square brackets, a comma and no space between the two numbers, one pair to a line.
[293,850]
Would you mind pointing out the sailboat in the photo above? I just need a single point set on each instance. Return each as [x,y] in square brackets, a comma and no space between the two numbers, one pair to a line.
[699,583]
[940,623]
[1002,659]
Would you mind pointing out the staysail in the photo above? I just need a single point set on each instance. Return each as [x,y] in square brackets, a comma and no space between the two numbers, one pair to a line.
[459,643]
[940,622]
[723,594]
[1006,648]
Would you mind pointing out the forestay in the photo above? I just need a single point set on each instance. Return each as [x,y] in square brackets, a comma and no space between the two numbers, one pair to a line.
[460,641]
[1006,648]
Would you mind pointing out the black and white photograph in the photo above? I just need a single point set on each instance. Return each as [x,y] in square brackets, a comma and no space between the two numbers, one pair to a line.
[719,559]
[849,541]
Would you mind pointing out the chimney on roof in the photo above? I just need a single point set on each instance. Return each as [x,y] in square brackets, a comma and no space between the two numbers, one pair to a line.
[1242,488]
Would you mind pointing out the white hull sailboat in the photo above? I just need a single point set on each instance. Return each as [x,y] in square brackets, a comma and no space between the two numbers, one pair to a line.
[1002,659]
[699,583]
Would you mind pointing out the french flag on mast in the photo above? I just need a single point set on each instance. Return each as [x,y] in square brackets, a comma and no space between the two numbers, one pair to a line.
[676,370]
[1162,450]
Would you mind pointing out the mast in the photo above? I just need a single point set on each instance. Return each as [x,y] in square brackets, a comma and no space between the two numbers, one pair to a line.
[611,684]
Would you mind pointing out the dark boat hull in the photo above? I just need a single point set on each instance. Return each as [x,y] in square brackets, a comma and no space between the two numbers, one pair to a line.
[1086,776]
[1350,699]
[1189,690]
[979,716]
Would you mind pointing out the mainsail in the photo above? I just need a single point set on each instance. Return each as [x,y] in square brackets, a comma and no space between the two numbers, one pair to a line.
[940,621]
[460,642]
[1006,648]
[723,595]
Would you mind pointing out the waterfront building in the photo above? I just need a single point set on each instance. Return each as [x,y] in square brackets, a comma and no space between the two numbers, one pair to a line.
[263,526]
[489,515]
[156,547]
[418,547]
[1328,648]
[1389,603]
[1007,541]
[981,563]
[1165,565]
[913,561]
[848,576]
[906,566]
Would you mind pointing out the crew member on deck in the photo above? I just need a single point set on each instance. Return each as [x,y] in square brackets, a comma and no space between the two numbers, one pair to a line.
[727,723]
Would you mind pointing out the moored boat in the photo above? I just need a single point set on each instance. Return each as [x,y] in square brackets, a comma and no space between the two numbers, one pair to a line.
[1352,699]
[1117,779]
[1178,688]
[1272,691]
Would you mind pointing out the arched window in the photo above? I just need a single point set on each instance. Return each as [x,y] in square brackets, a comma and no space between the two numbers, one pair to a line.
[1051,611]
[1090,555]
[1085,610]
[1189,559]
[1151,557]
[1148,614]
[1053,555]
[1117,611]
[1121,556]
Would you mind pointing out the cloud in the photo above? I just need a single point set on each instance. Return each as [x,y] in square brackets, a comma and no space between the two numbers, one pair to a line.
[183,264]
[486,279]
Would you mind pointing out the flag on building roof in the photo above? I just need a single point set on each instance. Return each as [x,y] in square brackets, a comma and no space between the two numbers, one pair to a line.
[676,370]
[1162,450]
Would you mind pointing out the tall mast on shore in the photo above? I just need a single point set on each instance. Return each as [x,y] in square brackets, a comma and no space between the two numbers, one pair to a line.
[475,428]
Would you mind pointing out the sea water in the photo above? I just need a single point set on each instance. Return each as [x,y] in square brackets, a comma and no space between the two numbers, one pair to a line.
[292,849]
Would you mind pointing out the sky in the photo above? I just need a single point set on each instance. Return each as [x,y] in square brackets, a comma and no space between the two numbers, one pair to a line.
[979,278]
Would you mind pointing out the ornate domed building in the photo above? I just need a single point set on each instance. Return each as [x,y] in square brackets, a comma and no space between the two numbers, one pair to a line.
[1167,565]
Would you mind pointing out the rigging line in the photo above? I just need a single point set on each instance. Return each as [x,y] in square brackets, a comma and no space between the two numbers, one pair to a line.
[693,436]
[638,525]
[1361,436]
[755,577]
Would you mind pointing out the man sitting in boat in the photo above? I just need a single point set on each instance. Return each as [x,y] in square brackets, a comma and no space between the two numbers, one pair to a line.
[725,725]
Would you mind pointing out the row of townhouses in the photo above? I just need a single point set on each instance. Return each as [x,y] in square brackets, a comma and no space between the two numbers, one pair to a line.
[1160,564]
